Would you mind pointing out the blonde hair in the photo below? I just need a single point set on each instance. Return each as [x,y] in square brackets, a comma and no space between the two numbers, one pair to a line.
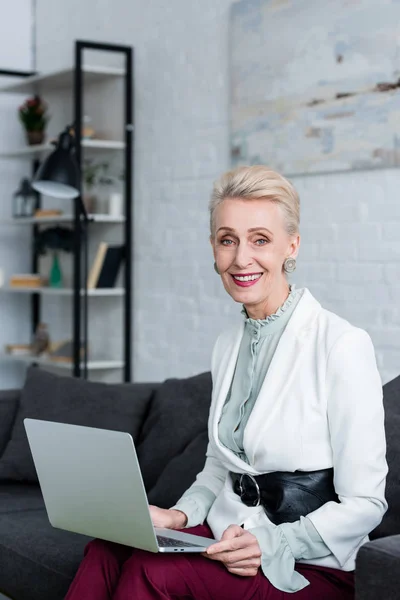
[258,182]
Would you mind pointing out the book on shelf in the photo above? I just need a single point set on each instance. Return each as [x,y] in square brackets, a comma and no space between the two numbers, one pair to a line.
[106,266]
[41,213]
[18,349]
[26,280]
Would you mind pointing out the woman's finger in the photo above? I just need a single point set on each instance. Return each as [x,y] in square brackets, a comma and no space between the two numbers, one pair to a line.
[247,572]
[231,558]
[236,543]
[249,562]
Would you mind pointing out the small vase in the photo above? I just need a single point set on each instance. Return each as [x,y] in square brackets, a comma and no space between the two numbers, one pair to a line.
[35,137]
[115,204]
[55,278]
[90,201]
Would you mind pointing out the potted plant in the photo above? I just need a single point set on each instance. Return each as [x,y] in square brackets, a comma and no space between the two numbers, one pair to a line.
[92,177]
[33,116]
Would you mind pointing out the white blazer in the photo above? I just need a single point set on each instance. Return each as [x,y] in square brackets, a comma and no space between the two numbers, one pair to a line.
[320,406]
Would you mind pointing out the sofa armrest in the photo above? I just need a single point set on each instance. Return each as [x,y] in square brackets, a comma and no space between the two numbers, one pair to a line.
[378,568]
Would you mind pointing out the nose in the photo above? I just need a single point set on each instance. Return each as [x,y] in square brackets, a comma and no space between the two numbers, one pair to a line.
[243,257]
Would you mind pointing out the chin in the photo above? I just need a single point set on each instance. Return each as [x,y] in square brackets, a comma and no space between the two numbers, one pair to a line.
[245,296]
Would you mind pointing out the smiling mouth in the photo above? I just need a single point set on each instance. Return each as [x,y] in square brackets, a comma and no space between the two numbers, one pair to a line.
[250,277]
[246,280]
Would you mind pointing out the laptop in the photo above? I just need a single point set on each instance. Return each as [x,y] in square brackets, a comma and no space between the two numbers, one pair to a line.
[91,484]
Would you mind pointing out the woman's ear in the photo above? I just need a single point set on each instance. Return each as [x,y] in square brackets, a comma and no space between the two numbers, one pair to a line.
[294,246]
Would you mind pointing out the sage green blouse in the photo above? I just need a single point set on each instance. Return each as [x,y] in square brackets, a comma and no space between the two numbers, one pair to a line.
[283,544]
[258,345]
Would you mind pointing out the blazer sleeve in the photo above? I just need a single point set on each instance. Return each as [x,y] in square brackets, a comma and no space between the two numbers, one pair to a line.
[356,424]
[198,499]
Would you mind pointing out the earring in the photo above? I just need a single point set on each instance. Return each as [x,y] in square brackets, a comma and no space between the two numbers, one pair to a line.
[289,265]
[216,268]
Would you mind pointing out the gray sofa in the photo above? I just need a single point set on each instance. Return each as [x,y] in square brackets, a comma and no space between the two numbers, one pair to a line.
[168,422]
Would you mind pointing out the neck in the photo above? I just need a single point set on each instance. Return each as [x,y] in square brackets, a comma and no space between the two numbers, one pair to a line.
[270,305]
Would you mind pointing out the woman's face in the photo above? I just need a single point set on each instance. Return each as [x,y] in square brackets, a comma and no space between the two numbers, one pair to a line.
[250,241]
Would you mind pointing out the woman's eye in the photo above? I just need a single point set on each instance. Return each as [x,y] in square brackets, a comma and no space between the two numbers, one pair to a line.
[226,242]
[261,242]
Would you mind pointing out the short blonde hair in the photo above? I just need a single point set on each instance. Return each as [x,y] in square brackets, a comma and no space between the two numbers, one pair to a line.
[258,182]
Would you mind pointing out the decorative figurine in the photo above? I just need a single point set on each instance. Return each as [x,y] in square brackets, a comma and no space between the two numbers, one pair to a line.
[41,340]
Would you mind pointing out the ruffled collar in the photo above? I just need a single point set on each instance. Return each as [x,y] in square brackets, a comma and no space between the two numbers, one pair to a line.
[281,310]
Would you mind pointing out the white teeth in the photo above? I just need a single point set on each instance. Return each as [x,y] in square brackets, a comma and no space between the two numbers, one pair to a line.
[247,277]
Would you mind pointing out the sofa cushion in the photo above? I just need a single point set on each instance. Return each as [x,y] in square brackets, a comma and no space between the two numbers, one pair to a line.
[16,497]
[38,562]
[178,414]
[8,410]
[391,521]
[180,473]
[119,407]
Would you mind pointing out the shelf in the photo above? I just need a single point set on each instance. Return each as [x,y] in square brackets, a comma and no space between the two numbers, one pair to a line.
[37,149]
[61,79]
[48,291]
[103,144]
[93,365]
[94,218]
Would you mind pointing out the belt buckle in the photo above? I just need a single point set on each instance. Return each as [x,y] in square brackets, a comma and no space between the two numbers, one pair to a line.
[251,490]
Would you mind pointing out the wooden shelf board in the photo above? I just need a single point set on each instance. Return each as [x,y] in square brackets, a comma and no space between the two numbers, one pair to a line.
[93,365]
[95,218]
[105,292]
[38,149]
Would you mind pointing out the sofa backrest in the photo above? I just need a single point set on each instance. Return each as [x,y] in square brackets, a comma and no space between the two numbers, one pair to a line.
[168,422]
[391,521]
[173,440]
[9,400]
[118,407]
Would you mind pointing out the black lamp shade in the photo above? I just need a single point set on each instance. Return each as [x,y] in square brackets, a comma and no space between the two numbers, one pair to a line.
[59,175]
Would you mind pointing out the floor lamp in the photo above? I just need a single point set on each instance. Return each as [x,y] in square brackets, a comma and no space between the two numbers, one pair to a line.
[59,176]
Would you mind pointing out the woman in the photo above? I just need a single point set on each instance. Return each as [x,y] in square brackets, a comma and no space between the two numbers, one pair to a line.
[295,471]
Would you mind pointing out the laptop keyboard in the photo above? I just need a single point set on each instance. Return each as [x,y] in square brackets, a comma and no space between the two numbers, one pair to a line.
[166,542]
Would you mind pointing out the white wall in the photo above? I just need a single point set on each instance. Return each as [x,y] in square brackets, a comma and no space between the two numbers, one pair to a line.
[351,249]
[350,255]
[15,54]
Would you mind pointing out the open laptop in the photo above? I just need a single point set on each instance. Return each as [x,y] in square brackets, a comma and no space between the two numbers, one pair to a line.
[91,484]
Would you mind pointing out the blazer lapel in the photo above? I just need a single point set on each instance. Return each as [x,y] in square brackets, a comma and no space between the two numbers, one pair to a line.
[281,372]
[226,370]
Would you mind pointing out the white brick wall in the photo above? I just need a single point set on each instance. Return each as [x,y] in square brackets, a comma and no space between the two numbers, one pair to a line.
[350,253]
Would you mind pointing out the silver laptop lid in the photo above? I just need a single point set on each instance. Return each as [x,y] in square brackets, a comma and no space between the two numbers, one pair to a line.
[69,460]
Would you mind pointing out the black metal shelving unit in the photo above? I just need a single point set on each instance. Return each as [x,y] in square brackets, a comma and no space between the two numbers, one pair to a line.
[80,267]
[78,310]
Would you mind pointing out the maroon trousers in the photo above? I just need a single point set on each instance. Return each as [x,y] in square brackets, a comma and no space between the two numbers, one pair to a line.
[115,572]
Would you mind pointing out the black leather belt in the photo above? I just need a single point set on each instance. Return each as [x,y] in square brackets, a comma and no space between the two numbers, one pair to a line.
[284,495]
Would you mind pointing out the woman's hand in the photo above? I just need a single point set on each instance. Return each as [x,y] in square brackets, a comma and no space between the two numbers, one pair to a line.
[238,550]
[168,518]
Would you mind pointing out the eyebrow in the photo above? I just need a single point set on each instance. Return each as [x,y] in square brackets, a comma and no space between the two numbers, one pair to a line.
[249,230]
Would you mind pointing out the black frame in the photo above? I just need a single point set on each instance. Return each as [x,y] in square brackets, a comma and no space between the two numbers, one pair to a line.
[80,232]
